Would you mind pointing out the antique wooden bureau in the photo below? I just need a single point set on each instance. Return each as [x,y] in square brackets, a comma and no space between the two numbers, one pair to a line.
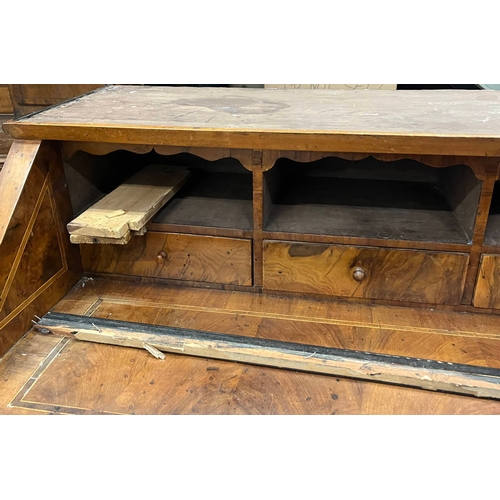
[389,196]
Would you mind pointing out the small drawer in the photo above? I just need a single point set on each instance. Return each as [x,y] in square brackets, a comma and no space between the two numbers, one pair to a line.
[487,293]
[365,272]
[175,256]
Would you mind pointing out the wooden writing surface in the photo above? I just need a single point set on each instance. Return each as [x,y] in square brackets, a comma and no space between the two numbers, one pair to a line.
[412,122]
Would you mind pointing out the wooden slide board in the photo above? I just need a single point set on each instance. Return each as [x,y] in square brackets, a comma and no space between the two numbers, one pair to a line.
[129,207]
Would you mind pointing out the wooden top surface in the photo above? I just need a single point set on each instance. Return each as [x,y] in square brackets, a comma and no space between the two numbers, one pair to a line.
[428,122]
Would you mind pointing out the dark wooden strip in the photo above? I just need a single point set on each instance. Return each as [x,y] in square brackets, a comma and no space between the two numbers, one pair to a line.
[426,374]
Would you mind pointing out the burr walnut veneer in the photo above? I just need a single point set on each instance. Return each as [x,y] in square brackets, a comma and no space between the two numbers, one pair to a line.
[387,197]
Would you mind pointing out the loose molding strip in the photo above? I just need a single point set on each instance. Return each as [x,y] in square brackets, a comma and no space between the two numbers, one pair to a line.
[431,375]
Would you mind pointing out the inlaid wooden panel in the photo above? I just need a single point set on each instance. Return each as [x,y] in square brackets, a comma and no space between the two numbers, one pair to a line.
[37,263]
[80,377]
[175,256]
[487,292]
[347,271]
[41,260]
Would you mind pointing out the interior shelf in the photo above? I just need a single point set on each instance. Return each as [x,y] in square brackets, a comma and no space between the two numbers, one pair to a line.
[211,199]
[216,198]
[396,201]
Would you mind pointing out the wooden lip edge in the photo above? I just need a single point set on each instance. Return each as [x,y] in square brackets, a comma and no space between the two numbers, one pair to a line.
[431,145]
[481,147]
[74,321]
[18,125]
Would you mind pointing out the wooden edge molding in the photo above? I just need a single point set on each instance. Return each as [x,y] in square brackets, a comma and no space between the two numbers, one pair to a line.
[481,166]
[245,156]
[279,140]
[425,374]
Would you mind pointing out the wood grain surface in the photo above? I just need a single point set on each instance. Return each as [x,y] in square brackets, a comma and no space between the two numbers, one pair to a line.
[399,370]
[432,122]
[433,278]
[175,256]
[5,140]
[5,102]
[131,205]
[13,177]
[95,379]
[487,292]
[37,263]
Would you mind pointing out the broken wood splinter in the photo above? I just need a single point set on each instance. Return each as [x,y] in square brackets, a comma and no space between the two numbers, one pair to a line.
[152,350]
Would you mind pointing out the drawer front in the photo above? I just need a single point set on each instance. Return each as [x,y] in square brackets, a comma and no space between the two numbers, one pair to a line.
[374,273]
[175,256]
[487,293]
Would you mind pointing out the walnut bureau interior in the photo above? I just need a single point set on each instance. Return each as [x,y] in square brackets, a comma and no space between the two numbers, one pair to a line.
[390,196]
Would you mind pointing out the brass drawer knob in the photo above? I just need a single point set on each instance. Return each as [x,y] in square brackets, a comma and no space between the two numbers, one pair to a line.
[359,274]
[160,258]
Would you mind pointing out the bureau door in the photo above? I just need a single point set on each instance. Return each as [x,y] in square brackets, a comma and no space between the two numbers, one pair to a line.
[365,272]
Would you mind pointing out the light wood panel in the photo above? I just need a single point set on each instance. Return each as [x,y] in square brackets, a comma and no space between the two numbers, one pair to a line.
[131,205]
[433,278]
[175,256]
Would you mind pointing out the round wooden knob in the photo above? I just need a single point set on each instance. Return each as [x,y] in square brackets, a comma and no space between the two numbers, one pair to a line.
[359,274]
[160,258]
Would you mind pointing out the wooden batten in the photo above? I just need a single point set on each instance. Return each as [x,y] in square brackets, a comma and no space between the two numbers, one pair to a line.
[129,207]
[425,374]
[79,239]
